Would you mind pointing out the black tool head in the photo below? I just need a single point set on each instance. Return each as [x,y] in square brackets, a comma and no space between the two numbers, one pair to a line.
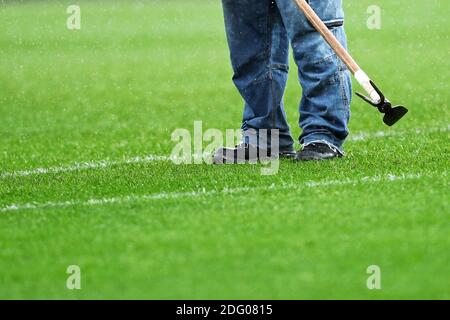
[391,114]
[394,114]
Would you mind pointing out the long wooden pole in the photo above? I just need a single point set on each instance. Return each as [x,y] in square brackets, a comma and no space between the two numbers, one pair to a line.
[337,47]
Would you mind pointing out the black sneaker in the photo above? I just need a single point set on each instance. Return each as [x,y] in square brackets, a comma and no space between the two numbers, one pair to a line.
[244,152]
[318,151]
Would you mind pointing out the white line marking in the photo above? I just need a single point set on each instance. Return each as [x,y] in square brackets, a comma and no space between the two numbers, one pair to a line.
[225,191]
[101,164]
[78,166]
[385,134]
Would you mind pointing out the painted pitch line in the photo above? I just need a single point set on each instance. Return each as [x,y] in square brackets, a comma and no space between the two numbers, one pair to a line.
[204,192]
[101,164]
[79,166]
[386,134]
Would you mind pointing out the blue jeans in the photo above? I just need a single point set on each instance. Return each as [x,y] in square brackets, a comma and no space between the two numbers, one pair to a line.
[259,33]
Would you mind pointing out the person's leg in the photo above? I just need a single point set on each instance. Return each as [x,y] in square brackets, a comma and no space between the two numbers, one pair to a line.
[259,49]
[326,82]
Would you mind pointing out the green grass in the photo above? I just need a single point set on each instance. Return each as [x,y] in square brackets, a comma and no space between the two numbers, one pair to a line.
[135,72]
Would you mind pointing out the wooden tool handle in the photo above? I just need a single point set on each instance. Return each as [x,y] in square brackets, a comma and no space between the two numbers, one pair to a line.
[328,35]
[337,47]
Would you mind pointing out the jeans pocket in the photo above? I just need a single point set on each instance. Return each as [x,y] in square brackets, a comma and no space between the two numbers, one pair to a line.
[330,11]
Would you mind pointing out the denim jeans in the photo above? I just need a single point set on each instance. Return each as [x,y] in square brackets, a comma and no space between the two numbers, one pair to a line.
[259,33]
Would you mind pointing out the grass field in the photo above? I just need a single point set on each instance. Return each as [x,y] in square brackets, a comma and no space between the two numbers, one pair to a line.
[78,107]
